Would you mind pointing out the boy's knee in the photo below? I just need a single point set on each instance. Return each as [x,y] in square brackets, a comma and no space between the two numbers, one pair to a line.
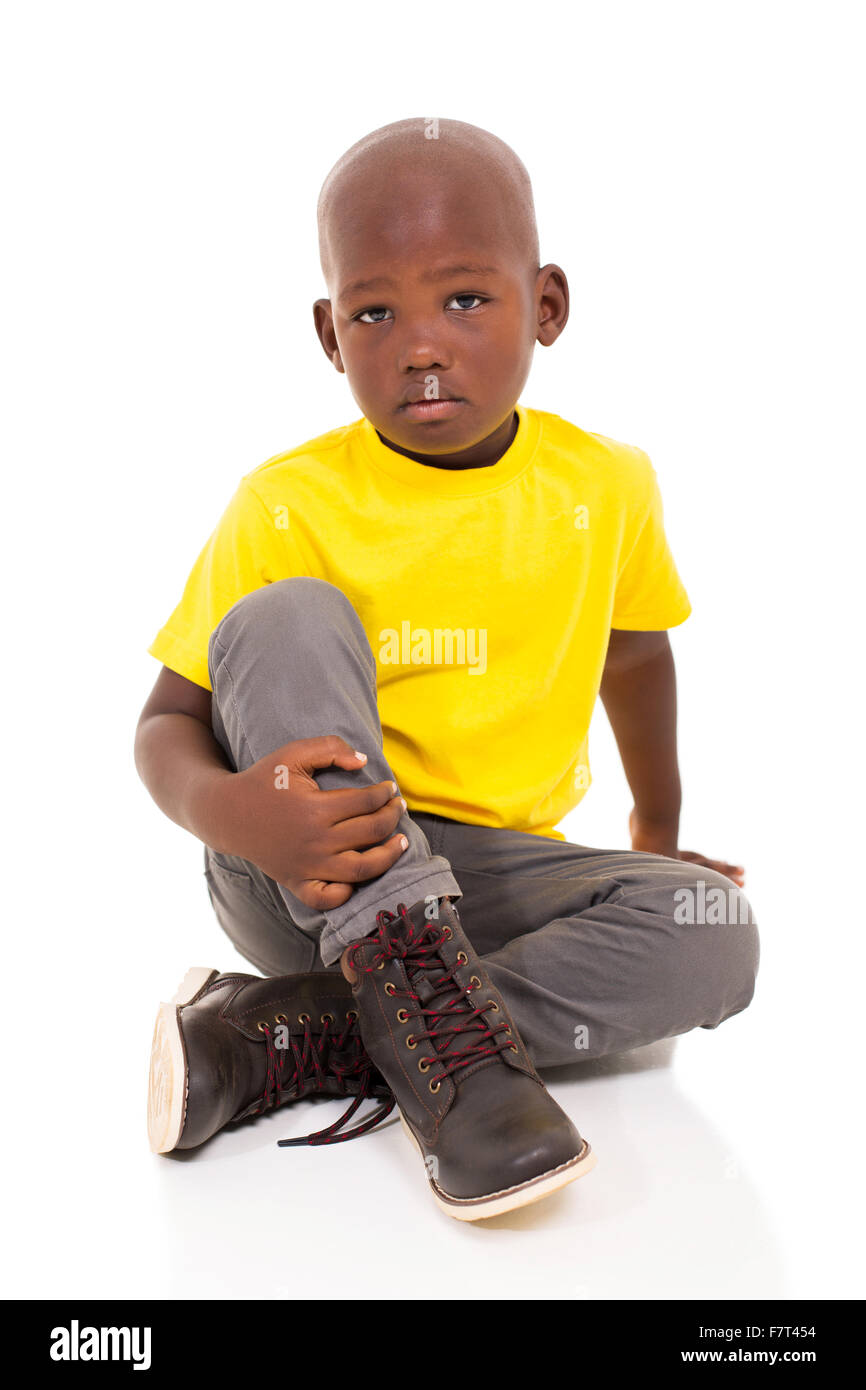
[718,913]
[743,953]
[301,604]
[709,943]
[704,896]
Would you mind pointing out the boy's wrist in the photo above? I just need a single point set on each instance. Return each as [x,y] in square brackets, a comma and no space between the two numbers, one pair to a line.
[656,833]
[209,813]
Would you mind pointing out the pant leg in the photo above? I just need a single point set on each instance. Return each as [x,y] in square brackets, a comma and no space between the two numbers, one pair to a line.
[290,661]
[254,916]
[593,950]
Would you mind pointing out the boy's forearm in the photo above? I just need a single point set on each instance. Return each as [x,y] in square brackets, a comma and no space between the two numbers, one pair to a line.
[641,704]
[183,768]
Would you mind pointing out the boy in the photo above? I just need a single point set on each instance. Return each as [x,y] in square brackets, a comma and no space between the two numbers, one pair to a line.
[374,702]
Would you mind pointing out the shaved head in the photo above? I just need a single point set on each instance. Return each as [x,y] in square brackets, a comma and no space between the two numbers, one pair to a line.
[430,254]
[447,161]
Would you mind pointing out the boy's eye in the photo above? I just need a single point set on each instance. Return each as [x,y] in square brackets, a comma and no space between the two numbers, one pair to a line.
[380,315]
[459,297]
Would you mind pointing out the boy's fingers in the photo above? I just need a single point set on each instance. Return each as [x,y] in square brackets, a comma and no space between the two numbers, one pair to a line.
[359,866]
[349,869]
[338,804]
[735,872]
[710,863]
[325,751]
[319,894]
[729,870]
[360,831]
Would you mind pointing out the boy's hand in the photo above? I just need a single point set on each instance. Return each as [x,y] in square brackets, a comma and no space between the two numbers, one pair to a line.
[315,843]
[653,838]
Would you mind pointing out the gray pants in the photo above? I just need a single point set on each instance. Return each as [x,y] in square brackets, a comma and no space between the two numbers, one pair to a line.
[594,951]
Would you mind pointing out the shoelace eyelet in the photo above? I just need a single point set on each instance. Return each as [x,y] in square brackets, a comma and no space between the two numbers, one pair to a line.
[327,1018]
[462,958]
[411,1042]
[389,988]
[402,1016]
[425,1063]
[303,1018]
[434,1085]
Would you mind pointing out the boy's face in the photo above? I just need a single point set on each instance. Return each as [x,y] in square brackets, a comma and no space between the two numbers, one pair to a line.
[435,311]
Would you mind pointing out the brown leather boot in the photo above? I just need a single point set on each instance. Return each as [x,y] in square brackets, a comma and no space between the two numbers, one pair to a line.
[232,1046]
[490,1135]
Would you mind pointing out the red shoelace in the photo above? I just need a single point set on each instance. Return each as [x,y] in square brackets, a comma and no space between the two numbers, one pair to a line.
[323,1056]
[448,1003]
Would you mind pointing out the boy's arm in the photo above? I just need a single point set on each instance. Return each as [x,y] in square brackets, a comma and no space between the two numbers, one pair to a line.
[178,758]
[639,694]
[319,843]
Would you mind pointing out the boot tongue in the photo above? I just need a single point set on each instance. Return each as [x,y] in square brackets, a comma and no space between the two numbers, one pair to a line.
[425,975]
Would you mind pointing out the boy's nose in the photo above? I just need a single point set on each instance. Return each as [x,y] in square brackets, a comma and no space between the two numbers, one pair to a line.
[422,350]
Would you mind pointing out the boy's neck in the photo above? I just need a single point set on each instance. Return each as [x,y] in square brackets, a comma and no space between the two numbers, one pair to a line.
[481,455]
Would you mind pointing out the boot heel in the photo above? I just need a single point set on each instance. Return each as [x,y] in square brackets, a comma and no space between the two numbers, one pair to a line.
[167,1082]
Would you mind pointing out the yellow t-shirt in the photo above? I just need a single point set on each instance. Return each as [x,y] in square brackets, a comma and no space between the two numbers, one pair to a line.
[487,596]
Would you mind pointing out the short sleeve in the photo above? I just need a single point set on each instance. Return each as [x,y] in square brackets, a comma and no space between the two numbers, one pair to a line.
[650,595]
[246,550]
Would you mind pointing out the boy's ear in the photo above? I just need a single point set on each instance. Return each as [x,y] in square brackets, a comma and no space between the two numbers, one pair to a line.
[551,297]
[323,318]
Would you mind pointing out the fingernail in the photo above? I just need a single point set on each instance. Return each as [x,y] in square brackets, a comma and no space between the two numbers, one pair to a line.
[394,787]
[362,756]
[403,802]
[404,842]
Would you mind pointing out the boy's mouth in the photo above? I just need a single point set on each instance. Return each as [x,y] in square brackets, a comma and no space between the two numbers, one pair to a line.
[442,409]
[417,406]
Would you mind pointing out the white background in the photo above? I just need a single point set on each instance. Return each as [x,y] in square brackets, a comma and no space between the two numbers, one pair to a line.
[698,173]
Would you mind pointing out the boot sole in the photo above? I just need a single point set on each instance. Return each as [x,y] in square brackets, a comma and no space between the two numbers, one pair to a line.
[509,1199]
[167,1086]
